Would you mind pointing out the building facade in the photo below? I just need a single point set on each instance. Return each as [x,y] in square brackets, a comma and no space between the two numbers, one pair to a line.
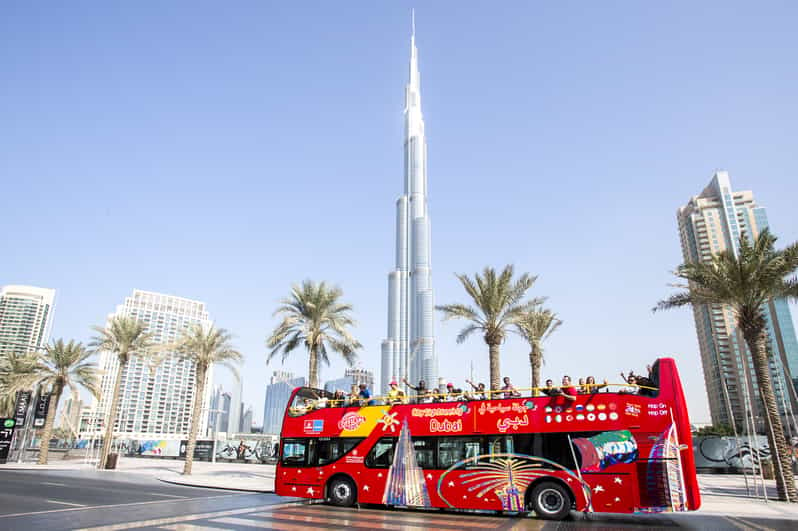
[70,414]
[352,376]
[409,349]
[278,391]
[246,421]
[26,318]
[712,222]
[155,401]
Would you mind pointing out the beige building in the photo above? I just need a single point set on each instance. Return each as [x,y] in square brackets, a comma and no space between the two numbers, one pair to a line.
[26,315]
[712,222]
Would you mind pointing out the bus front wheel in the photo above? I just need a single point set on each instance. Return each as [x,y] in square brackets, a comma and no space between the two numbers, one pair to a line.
[341,492]
[550,501]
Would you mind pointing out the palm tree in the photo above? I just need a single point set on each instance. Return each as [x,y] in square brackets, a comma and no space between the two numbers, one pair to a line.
[315,317]
[61,365]
[203,348]
[125,337]
[535,326]
[13,366]
[747,282]
[498,306]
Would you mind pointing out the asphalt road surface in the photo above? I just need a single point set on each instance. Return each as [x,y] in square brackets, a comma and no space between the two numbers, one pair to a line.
[45,500]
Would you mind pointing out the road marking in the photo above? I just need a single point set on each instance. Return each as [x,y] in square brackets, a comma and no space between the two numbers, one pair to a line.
[167,495]
[87,508]
[66,503]
[53,484]
[177,519]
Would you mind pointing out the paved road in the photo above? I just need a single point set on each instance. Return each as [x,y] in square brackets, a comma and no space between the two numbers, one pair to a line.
[47,500]
[76,499]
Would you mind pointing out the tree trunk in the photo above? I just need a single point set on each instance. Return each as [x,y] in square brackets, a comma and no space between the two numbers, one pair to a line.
[535,362]
[195,419]
[111,420]
[495,371]
[313,368]
[779,450]
[47,432]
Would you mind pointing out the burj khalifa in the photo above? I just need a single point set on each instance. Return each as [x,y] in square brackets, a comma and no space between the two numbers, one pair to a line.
[409,350]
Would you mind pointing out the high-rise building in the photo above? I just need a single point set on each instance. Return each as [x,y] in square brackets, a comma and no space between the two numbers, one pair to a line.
[352,376]
[155,402]
[70,414]
[234,424]
[409,349]
[712,222]
[26,315]
[246,421]
[281,384]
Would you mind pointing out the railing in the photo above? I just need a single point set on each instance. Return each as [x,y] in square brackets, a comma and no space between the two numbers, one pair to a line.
[464,396]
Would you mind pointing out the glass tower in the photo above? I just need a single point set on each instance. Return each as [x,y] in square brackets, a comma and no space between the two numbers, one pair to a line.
[712,222]
[409,349]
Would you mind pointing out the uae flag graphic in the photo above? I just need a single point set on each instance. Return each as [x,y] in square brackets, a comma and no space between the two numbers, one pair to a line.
[405,483]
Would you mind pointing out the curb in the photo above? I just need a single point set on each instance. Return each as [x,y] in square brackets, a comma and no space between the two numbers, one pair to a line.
[216,487]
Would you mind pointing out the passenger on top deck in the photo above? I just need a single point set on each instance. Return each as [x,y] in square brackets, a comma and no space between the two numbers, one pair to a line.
[592,387]
[352,399]
[551,389]
[509,390]
[339,399]
[436,395]
[395,395]
[421,391]
[365,396]
[632,388]
[479,390]
[569,392]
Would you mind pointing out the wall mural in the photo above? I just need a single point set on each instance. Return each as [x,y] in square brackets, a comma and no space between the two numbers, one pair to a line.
[714,451]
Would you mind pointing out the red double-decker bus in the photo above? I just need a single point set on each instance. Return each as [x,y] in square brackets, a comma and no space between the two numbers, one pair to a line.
[603,452]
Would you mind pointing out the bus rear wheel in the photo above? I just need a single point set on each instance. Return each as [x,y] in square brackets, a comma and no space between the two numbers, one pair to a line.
[550,501]
[341,492]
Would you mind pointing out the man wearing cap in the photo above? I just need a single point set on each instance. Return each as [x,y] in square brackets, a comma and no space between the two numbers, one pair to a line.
[395,395]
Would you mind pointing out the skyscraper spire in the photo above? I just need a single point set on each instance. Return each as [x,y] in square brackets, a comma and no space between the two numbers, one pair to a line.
[409,350]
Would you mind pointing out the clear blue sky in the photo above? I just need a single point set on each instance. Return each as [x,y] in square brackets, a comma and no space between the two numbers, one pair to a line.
[221,151]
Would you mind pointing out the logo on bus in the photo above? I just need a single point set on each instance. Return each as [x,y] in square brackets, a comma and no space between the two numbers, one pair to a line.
[314,426]
[351,421]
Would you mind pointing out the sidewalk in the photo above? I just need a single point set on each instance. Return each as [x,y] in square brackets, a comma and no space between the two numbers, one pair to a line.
[726,495]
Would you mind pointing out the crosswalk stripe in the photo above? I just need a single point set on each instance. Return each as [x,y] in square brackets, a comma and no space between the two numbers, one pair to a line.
[444,522]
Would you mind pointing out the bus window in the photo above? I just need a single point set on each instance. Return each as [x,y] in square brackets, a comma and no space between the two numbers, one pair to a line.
[381,454]
[325,450]
[552,446]
[425,452]
[295,452]
[454,449]
[500,444]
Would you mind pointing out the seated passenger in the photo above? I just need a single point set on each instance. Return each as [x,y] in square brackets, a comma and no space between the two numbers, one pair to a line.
[581,386]
[451,395]
[321,402]
[354,394]
[436,395]
[551,389]
[339,399]
[395,395]
[364,396]
[592,387]
[509,390]
[569,392]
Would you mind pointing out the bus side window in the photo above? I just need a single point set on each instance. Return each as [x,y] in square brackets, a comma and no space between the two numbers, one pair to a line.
[425,452]
[454,449]
[381,454]
[295,452]
[500,444]
[551,446]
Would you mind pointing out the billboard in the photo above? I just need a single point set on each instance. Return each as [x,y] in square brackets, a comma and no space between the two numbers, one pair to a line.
[6,432]
[159,448]
[202,449]
[42,406]
[21,407]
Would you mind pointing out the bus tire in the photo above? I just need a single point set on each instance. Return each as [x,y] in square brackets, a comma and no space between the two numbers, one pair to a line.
[341,492]
[550,501]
